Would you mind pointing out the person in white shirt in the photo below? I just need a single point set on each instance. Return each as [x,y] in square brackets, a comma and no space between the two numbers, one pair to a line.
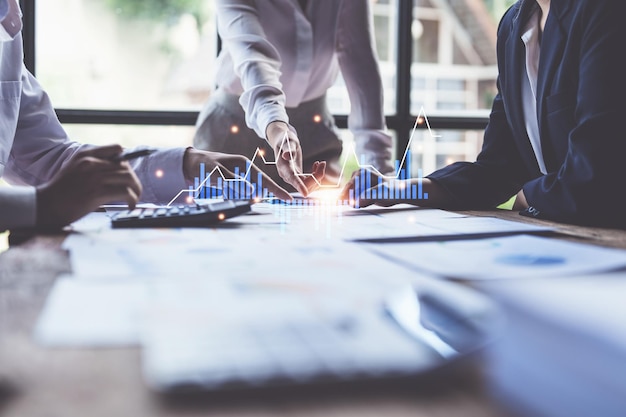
[278,60]
[53,180]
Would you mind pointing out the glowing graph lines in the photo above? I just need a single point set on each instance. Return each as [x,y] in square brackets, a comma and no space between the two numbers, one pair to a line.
[242,186]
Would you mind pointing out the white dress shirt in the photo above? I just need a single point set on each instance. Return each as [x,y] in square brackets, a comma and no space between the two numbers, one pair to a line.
[277,55]
[529,87]
[34,145]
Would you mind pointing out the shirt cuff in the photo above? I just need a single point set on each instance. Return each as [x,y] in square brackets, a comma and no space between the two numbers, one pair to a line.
[267,114]
[161,175]
[18,207]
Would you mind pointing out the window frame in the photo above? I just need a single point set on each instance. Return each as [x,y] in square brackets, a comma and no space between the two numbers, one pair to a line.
[402,122]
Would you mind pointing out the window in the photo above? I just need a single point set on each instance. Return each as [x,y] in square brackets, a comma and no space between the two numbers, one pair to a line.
[131,71]
[116,54]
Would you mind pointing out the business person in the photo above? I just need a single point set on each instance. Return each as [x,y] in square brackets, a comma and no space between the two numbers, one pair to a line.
[555,136]
[279,59]
[56,180]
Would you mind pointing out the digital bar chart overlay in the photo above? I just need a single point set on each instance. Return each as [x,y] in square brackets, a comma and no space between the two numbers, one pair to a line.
[369,182]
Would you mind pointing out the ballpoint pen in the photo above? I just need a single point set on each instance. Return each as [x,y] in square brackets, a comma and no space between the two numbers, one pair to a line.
[127,156]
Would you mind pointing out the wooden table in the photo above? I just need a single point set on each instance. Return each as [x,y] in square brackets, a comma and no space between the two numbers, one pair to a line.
[35,381]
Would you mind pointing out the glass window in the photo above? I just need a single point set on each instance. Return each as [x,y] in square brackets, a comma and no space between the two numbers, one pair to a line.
[160,54]
[453,72]
[131,135]
[425,45]
[432,151]
[348,156]
[453,49]
[119,54]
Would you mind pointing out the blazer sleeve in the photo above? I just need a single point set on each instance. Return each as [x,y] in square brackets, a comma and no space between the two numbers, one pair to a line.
[496,175]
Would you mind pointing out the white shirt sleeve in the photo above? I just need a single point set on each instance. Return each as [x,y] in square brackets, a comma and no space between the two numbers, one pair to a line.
[41,147]
[161,175]
[359,66]
[40,144]
[18,204]
[17,207]
[256,62]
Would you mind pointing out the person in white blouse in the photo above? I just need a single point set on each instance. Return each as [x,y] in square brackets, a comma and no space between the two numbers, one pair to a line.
[54,180]
[278,60]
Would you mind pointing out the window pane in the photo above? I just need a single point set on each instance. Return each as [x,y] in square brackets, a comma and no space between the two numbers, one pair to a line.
[155,54]
[453,73]
[348,156]
[131,135]
[120,54]
[430,152]
[454,62]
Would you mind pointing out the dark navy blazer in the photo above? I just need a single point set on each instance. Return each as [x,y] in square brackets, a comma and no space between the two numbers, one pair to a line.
[581,96]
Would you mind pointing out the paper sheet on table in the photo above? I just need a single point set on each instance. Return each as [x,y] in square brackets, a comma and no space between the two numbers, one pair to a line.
[331,221]
[83,313]
[563,336]
[96,311]
[145,253]
[91,223]
[520,256]
[428,224]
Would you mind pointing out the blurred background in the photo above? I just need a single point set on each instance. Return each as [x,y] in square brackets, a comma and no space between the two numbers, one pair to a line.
[157,55]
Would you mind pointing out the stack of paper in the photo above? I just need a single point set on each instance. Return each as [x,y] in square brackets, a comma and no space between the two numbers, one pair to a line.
[562,351]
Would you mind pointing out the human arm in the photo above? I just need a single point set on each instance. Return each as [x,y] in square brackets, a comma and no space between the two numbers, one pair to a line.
[288,158]
[483,184]
[432,195]
[40,155]
[256,62]
[258,65]
[358,61]
[226,163]
[91,178]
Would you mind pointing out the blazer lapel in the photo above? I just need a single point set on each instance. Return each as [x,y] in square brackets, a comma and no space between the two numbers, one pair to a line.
[515,56]
[549,58]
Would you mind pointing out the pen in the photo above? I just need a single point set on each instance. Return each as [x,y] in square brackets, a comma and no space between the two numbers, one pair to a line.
[127,156]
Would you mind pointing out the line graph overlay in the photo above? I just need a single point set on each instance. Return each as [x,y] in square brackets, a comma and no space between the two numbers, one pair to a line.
[244,181]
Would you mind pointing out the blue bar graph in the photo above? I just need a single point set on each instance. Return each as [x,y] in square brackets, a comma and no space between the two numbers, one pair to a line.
[202,175]
[394,186]
[419,184]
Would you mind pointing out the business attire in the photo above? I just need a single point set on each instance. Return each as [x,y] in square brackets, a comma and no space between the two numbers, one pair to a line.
[278,60]
[556,125]
[33,144]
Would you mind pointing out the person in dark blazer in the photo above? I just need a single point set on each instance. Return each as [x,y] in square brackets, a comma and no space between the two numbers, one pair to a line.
[555,136]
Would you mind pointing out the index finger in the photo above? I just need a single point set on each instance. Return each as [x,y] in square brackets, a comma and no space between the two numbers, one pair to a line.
[271,186]
[292,177]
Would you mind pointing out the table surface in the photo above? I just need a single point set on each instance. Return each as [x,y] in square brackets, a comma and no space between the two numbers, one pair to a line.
[36,381]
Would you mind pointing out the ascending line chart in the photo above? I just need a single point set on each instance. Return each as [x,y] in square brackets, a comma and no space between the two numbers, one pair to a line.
[214,184]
